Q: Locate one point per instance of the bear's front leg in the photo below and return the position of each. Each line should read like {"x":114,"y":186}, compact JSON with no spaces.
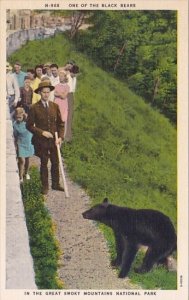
{"x":119,"y":249}
{"x":129,"y":252}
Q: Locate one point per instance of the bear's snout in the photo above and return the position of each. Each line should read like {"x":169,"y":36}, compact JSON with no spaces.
{"x":84,"y":214}
{"x":87,"y":214}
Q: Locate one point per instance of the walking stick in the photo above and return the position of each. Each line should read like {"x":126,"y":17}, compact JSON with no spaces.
{"x":61,"y":167}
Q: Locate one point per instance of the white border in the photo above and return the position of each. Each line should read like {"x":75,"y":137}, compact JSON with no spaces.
{"x":182,"y":7}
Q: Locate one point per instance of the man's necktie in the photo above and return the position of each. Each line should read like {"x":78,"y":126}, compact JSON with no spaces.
{"x":46,"y":107}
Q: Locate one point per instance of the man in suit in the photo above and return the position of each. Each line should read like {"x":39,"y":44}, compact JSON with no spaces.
{"x":44,"y":119}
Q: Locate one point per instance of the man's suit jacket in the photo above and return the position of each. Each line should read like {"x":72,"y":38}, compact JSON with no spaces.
{"x":42,"y":119}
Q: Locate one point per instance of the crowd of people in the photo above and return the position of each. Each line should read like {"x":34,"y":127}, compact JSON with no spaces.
{"x":41,"y":102}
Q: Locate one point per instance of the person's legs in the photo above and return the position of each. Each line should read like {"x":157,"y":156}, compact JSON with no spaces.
{"x":55,"y":169}
{"x":54,"y":166}
{"x":44,"y":171}
{"x":26,"y":167}
{"x":21,"y":168}
{"x":11,"y":106}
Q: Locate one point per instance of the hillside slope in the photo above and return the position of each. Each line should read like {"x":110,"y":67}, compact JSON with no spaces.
{"x":122,"y":148}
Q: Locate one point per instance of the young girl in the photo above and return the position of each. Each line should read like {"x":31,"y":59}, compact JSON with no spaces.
{"x":60,"y":93}
{"x":23,"y":143}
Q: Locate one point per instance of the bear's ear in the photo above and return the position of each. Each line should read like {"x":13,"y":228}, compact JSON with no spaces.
{"x":106,"y":201}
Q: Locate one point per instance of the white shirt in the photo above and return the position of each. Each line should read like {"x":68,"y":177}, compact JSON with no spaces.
{"x":55,"y":80}
{"x":72,"y":82}
{"x":45,"y":103}
{"x":12,"y":86}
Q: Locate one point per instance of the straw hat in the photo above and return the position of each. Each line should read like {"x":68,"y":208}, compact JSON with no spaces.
{"x":44,"y":84}
{"x":47,"y":65}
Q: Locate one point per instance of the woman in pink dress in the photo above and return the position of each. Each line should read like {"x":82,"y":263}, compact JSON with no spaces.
{"x":60,"y":93}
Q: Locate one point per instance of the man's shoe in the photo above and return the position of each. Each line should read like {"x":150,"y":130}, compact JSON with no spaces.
{"x":57,"y":188}
{"x":44,"y":191}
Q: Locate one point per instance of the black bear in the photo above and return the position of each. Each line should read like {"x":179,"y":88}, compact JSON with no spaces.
{"x":135,"y":227}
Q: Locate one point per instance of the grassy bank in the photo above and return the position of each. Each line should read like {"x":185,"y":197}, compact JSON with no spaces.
{"x":125,"y":151}
{"x":43,"y":245}
{"x":122,"y":149}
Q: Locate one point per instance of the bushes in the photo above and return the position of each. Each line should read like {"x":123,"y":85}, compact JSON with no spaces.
{"x":44,"y":247}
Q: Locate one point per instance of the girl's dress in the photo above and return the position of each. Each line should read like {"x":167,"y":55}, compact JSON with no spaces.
{"x":62,"y":103}
{"x":23,"y":139}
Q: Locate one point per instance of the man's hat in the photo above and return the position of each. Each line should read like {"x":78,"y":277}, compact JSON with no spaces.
{"x":44,"y":84}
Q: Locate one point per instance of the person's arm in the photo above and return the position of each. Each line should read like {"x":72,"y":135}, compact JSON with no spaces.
{"x":30,"y":122}
{"x":56,"y":93}
{"x":31,"y":94}
{"x":65,"y":92}
{"x":30,"y":125}
{"x":15,"y":133}
{"x":16,"y":90}
{"x":60,"y":126}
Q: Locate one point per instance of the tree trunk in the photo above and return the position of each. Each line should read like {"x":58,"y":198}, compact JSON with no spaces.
{"x":77,"y":21}
{"x":156,"y":86}
{"x":120,"y":54}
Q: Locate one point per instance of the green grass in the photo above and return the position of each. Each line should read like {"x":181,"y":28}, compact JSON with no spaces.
{"x":43,"y":244}
{"x":122,"y":149}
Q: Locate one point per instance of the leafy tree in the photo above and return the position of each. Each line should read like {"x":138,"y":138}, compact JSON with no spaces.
{"x":139,"y":47}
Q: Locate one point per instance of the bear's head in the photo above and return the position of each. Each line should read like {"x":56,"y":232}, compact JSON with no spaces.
{"x":97,"y":212}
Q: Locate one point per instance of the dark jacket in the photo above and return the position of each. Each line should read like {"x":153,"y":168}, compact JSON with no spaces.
{"x":40,"y":119}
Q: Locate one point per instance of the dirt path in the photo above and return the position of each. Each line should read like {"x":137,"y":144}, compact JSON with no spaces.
{"x":85,"y":262}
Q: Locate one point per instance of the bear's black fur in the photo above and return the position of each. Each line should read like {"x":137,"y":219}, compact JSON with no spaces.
{"x":134,"y":227}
